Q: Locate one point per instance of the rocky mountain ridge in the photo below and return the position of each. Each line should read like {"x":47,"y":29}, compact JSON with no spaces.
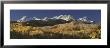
{"x":60,"y":17}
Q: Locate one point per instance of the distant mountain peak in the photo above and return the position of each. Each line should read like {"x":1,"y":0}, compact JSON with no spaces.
{"x":34,"y":18}
{"x":64,"y":17}
{"x":45,"y":18}
{"x":85,"y":19}
{"x":23,"y":19}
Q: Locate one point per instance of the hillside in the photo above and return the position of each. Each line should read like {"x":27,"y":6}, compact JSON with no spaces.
{"x":53,"y":29}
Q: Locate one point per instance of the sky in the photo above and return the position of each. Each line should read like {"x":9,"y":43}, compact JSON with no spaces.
{"x":94,"y":15}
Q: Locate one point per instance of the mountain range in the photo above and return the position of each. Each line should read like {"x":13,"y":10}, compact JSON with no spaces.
{"x":57,"y":27}
{"x":53,"y":21}
{"x":60,"y":17}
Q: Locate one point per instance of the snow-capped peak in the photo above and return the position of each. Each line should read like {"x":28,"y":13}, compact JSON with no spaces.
{"x":36,"y":18}
{"x":85,"y":19}
{"x":45,"y":18}
{"x":64,"y":17}
{"x":22,"y":19}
